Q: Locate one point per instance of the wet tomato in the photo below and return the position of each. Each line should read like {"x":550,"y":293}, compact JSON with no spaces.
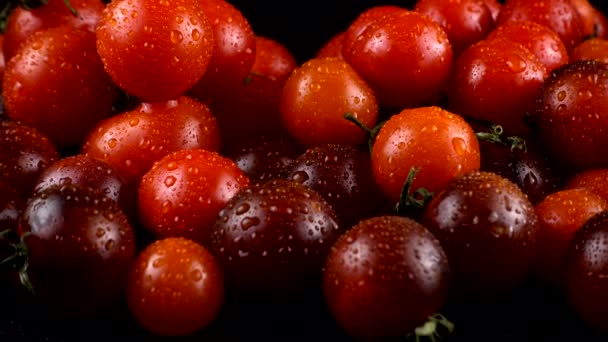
{"x":594,"y":180}
{"x":175,"y":288}
{"x":591,"y":49}
{"x":332,"y":47}
{"x":385,"y":277}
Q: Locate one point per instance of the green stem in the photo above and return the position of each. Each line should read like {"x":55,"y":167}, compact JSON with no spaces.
{"x":371,"y":132}
{"x":495,"y":136}
{"x":418,"y":199}
{"x":430,"y":330}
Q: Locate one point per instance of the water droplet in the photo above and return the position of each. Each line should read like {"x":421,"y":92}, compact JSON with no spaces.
{"x":249,"y":222}
{"x":176,"y":37}
{"x":109,"y":245}
{"x":561,"y":96}
{"x":196,"y":275}
{"x":516,"y":63}
{"x":169,"y":181}
{"x":172,"y":166}
{"x":300,"y":177}
{"x":100,"y":233}
{"x":179,"y":19}
{"x":459,"y":145}
{"x":242,"y":208}
{"x":134,"y":122}
{"x":196,"y":35}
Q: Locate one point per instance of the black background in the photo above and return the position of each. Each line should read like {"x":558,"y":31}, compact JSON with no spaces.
{"x":533,"y":313}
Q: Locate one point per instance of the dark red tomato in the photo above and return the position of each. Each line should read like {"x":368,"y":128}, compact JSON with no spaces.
{"x":385,"y":277}
{"x":488,"y":229}
{"x":465,"y":21}
{"x":594,"y":180}
{"x":176,"y":288}
{"x":80,"y":247}
{"x":587,"y":14}
{"x":84,"y":171}
{"x":585,"y":272}
{"x":496,"y":81}
{"x":253,"y":107}
{"x":318,"y":94}
{"x":560,"y":215}
{"x":405,"y":57}
{"x":183,"y":193}
{"x":131,"y":142}
{"x":362,"y":22}
{"x":571,"y":116}
{"x":264,"y":157}
{"x":57,"y":84}
{"x":24,"y":154}
{"x":332,"y":47}
{"x":273,"y":238}
{"x":540,"y":40}
{"x":494,"y":7}
{"x":155,"y":49}
{"x":591,"y":49}
{"x":22,"y":22}
{"x":343,"y":175}
{"x":441,"y":144}
{"x":558,"y":15}
{"x":233,"y":53}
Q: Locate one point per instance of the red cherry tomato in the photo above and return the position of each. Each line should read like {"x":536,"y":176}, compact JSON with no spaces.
{"x":155,"y":49}
{"x":175,"y":288}
{"x":594,"y":180}
{"x":591,"y":49}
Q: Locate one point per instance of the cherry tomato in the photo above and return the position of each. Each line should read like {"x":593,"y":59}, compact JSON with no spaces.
{"x":588,"y":16}
{"x":273,"y":237}
{"x":558,"y":15}
{"x":80,"y":247}
{"x":318,"y":94}
{"x":184,"y":191}
{"x":23,"y":23}
{"x":496,"y":81}
{"x":488,"y":229}
{"x":540,"y":40}
{"x":155,"y":49}
{"x":591,"y":49}
{"x":24,"y":154}
{"x":585,"y":272}
{"x":570,"y":116}
{"x":441,"y":144}
{"x":57,"y":84}
{"x":332,"y":47}
{"x":560,"y":215}
{"x":233,"y":52}
{"x":175,"y":288}
{"x":405,"y":57}
{"x":594,"y":180}
{"x":385,"y":277}
{"x":465,"y":21}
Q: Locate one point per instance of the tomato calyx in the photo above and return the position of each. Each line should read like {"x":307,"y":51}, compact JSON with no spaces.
{"x":495,"y":136}
{"x":434,"y":329}
{"x":249,"y":77}
{"x":18,"y":259}
{"x":412,"y":200}
{"x":371,"y":132}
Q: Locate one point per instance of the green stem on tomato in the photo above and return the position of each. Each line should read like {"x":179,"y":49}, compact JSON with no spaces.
{"x":408,"y":200}
{"x":430,"y":329}
{"x":371,"y":132}
{"x":495,"y":136}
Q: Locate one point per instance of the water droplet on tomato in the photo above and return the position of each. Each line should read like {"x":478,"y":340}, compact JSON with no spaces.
{"x":516,"y":63}
{"x":100,"y":233}
{"x":249,"y":222}
{"x":300,"y":177}
{"x":176,"y":37}
{"x":196,"y":35}
{"x":459,"y":145}
{"x":134,"y":122}
{"x":196,"y":275}
{"x":172,"y":166}
{"x":561,"y":96}
{"x":169,"y":181}
{"x":179,"y":19}
{"x":241,"y":209}
{"x":109,"y":245}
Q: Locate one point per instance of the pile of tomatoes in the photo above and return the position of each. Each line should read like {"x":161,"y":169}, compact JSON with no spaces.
{"x":162,"y":160}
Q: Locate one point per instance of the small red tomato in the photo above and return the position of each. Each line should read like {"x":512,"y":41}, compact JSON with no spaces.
{"x":591,"y":49}
{"x":385,"y":277}
{"x":362,"y":22}
{"x":57,"y":84}
{"x":175,"y":288}
{"x":155,"y":49}
{"x":560,"y":215}
{"x":558,"y":15}
{"x":183,"y":193}
{"x":594,"y":180}
{"x":496,"y":81}
{"x":23,"y":23}
{"x":405,"y":57}
{"x":465,"y":21}
{"x":318,"y":94}
{"x":441,"y":144}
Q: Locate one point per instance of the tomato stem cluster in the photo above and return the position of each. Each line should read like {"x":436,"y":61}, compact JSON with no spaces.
{"x":19,"y":259}
{"x":495,"y":136}
{"x":415,"y":200}
{"x":371,"y":132}
{"x":430,"y":329}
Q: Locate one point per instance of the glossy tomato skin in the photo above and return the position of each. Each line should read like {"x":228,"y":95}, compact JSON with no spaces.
{"x":570,"y":115}
{"x":488,"y":229}
{"x":588,"y":15}
{"x":57,"y":84}
{"x":465,"y":21}
{"x":183,"y":192}
{"x":24,"y":154}
{"x":594,"y":180}
{"x":22,"y":23}
{"x":540,"y":40}
{"x":385,"y":276}
{"x":405,"y":58}
{"x":496,"y":81}
{"x":233,"y":52}
{"x":272,"y":239}
{"x":315,"y":98}
{"x":586,"y":267}
{"x":332,"y":47}
{"x":342,"y":174}
{"x":2,"y":58}
{"x":176,"y":288}
{"x":591,"y":49}
{"x":560,"y":216}
{"x":439,"y":143}
{"x":558,"y":15}
{"x":81,"y":247}
{"x":495,"y":6}
{"x":155,"y":49}
{"x":132,"y":141}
